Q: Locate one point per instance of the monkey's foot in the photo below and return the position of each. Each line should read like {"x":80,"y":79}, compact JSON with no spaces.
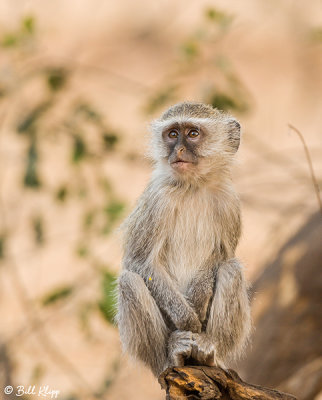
{"x":179,"y":347}
{"x":203,"y":350}
{"x":213,"y":383}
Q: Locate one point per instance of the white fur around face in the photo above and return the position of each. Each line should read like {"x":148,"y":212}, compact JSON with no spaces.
{"x":215,"y":156}
{"x":158,"y":149}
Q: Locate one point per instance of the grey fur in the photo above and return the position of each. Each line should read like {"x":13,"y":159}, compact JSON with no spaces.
{"x":182,"y":294}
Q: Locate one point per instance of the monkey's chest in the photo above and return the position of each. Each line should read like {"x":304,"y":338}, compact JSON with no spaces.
{"x":190,"y":244}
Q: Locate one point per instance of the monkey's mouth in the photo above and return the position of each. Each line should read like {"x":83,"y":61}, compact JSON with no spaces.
{"x":181,"y":165}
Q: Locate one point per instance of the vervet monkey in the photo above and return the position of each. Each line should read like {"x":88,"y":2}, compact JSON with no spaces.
{"x":182,"y":297}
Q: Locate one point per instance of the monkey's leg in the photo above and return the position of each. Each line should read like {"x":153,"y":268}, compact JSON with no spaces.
{"x":143,"y":331}
{"x":229,"y":322}
{"x":199,"y":293}
{"x":228,"y":314}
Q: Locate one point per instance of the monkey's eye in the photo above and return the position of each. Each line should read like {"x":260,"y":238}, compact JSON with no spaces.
{"x":173,"y":134}
{"x":193,"y":134}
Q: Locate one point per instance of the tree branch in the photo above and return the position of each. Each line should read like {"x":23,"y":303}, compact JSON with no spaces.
{"x":213,"y":383}
{"x":309,"y":161}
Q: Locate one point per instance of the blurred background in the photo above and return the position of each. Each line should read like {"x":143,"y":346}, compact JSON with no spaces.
{"x":79,"y":81}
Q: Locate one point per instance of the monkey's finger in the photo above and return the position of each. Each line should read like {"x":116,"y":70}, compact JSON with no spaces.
{"x":195,"y":351}
{"x":203,"y":356}
{"x":181,"y":359}
{"x":185,"y":344}
{"x":178,"y":360}
{"x":209,"y":359}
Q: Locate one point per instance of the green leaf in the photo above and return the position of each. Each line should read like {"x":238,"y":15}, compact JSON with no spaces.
{"x":38,"y":229}
{"x":89,"y":112}
{"x":219,"y":17}
{"x":62,"y":193}
{"x":223,"y":102}
{"x":114,"y":210}
{"x":57,"y":294}
{"x":109,"y":379}
{"x":316,"y":34}
{"x":31,"y":178}
{"x":14,"y":39}
{"x":82,"y":192}
{"x":226,"y":102}
{"x":106,"y":186}
{"x":191,"y":49}
{"x":107,"y":303}
{"x":2,"y":246}
{"x":85,"y":311}
{"x":28,"y":24}
{"x":88,"y":219}
{"x":10,"y":40}
{"x":160,"y":99}
{"x":56,"y":78}
{"x":82,"y":251}
{"x":3,"y":90}
{"x":28,"y":122}
{"x":79,"y":149}
{"x":107,"y":228}
{"x":72,"y":396}
{"x":37,"y":373}
{"x":110,"y":140}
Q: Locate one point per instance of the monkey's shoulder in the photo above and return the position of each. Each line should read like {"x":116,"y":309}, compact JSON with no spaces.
{"x":145,"y":212}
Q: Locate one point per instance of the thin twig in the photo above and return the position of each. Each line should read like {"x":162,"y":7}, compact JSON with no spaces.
{"x":308,"y":157}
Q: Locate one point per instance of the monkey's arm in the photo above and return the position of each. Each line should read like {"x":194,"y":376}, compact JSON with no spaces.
{"x":169,"y":299}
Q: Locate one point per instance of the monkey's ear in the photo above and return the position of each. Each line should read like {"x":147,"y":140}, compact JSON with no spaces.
{"x":234,"y":134}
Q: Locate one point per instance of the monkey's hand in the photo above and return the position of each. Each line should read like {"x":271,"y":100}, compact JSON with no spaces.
{"x":203,"y":350}
{"x":179,"y":348}
{"x":190,"y":323}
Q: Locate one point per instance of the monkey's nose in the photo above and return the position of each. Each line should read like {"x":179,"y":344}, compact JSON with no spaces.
{"x":180,"y":150}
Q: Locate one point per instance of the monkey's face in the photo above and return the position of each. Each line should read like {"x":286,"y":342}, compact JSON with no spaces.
{"x":182,"y":141}
{"x":193,"y":142}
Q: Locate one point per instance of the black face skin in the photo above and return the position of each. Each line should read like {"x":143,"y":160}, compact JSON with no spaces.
{"x":182,"y":141}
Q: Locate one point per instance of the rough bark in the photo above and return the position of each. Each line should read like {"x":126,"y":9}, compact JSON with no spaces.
{"x":198,"y":382}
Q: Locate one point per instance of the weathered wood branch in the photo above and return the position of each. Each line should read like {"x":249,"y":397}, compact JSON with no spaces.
{"x":207,"y":383}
